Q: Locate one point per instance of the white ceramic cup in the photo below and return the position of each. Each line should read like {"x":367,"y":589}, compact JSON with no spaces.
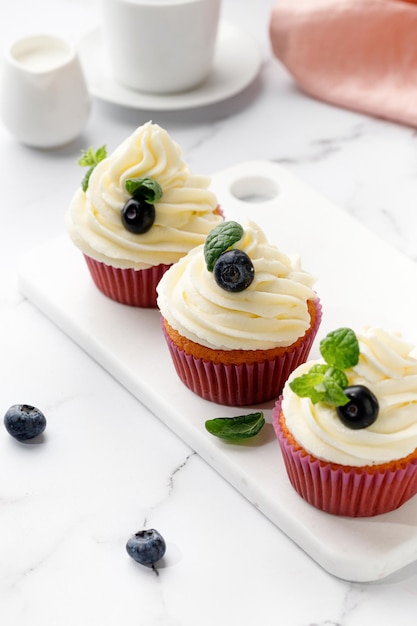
{"x":160,"y":46}
{"x":44,"y":99}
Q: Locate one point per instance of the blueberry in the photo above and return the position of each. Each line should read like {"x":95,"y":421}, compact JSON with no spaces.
{"x":138,"y":216}
{"x":362,"y":409}
{"x":24,"y":422}
{"x":233,"y":270}
{"x":146,"y":546}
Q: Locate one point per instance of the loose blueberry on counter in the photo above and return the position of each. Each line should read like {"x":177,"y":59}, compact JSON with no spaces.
{"x":233,"y":270}
{"x":23,"y":421}
{"x":362,"y":409}
{"x":138,"y":216}
{"x":146,"y":546}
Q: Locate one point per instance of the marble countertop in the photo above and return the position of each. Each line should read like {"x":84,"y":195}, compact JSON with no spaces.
{"x":106,"y":466}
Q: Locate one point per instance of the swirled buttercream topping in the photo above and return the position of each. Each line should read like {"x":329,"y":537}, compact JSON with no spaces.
{"x":183,"y":216}
{"x":388,"y":368}
{"x":271,"y":312}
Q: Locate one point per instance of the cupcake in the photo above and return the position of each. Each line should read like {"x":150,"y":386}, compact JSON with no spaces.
{"x":137,"y":212}
{"x":347,"y":424}
{"x":238,"y":316}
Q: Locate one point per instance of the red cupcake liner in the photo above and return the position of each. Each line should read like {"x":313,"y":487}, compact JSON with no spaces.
{"x":127,"y":286}
{"x":243,"y":384}
{"x":348,"y":491}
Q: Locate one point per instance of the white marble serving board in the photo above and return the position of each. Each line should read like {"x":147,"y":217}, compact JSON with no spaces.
{"x":361,"y":281}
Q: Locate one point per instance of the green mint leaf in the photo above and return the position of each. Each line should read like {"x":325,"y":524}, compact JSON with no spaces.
{"x":219,"y":240}
{"x":90,"y":159}
{"x":326,"y":382}
{"x":334,"y":394}
{"x":322,"y":383}
{"x":86,"y":178}
{"x":101,"y":154}
{"x":145,"y":188}
{"x":310,"y":385}
{"x":87,"y":158}
{"x":340,"y":348}
{"x":334,"y":382}
{"x":337,"y":376}
{"x":240,"y":427}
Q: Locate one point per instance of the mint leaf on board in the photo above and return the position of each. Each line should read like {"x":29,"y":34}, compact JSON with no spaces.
{"x":340,"y":348}
{"x":240,"y":427}
{"x":90,"y":159}
{"x":145,"y":188}
{"x":219,"y":240}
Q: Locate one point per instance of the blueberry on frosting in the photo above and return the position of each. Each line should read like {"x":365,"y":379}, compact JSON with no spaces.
{"x":232,"y":268}
{"x":138,"y":213}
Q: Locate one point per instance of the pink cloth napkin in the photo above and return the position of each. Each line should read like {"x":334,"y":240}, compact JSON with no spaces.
{"x":359,"y":54}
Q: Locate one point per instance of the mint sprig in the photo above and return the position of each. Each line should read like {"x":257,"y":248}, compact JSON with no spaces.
{"x":322,"y":383}
{"x":326,"y":382}
{"x":145,"y":188}
{"x":240,"y":427}
{"x":340,"y":348}
{"x":219,"y":240}
{"x":90,"y":159}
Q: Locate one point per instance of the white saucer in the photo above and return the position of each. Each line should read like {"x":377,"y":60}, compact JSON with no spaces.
{"x":237,"y":62}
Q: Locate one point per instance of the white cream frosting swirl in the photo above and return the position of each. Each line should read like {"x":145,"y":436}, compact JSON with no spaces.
{"x":271,"y":312}
{"x":184,"y":214}
{"x":389,"y":369}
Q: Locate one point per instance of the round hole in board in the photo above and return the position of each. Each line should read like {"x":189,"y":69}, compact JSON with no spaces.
{"x":254,"y":189}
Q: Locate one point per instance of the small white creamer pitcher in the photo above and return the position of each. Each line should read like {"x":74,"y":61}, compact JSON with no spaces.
{"x":44,"y":99}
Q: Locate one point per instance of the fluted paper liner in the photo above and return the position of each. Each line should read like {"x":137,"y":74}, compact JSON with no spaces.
{"x":341,"y":490}
{"x":243,"y":384}
{"x":127,"y":286}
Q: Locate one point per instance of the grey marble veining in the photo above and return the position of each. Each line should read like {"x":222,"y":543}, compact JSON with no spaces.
{"x":106,"y":466}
